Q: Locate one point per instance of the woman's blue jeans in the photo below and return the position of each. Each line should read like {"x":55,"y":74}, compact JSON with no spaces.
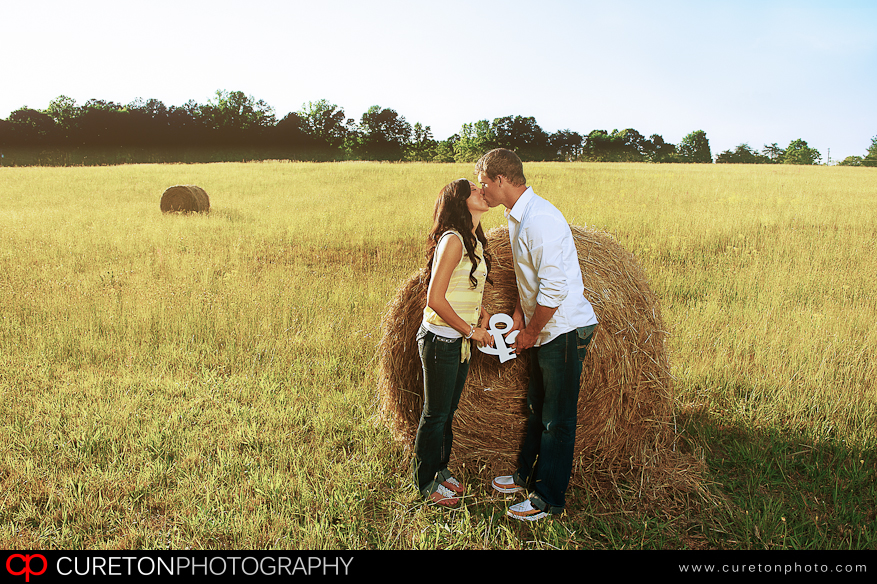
{"x":443,"y":380}
{"x":545,"y":460}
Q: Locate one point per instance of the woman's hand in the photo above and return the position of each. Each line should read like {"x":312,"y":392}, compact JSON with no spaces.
{"x":482,"y":337}
{"x":485,"y":318}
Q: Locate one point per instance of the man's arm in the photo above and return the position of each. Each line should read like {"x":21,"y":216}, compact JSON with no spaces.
{"x":527,"y":337}
{"x":546,"y":255}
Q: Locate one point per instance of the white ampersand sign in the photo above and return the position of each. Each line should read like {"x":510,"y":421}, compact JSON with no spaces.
{"x":501,"y":344}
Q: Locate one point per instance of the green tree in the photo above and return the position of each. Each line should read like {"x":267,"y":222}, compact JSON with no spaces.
{"x":153,"y":108}
{"x":620,"y":146}
{"x":30,"y":127}
{"x":7,"y":135}
{"x":695,"y":148}
{"x":774,"y":153}
{"x":656,"y":150}
{"x":870,"y":158}
{"x":325,"y":122}
{"x":236,"y":118}
{"x":444,"y":151}
{"x":237,"y":111}
{"x":104,"y":124}
{"x":522,"y":135}
{"x":742,"y":154}
{"x":851,"y":161}
{"x":598,"y":146}
{"x":799,"y":152}
{"x":148,"y":121}
{"x":422,"y":147}
{"x":65,"y":112}
{"x":183,"y":126}
{"x":566,"y":145}
{"x":634,"y":145}
{"x":289,"y":133}
{"x":474,"y":140}
{"x":382,"y":134}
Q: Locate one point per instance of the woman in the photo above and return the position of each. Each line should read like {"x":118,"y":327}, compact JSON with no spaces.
{"x":457,"y":269}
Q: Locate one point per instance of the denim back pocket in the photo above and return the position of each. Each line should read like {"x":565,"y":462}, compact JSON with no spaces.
{"x":583,"y":339}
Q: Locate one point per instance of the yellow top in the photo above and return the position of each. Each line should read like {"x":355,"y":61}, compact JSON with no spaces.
{"x":463,"y":298}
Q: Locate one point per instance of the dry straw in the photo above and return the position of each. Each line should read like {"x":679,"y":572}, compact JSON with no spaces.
{"x":185,"y":199}
{"x":625,"y":409}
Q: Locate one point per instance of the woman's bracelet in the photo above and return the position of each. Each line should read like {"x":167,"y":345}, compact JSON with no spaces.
{"x":471,"y":331}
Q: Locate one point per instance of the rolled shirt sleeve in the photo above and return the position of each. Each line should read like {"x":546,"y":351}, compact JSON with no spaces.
{"x":547,"y":267}
{"x":546,"y":252}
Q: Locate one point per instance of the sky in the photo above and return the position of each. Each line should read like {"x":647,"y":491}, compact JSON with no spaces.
{"x":755,"y":72}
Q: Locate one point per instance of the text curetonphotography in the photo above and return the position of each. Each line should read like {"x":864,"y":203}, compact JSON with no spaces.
{"x":204,"y":566}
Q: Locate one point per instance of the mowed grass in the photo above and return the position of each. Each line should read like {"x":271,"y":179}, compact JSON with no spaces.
{"x":209,"y":381}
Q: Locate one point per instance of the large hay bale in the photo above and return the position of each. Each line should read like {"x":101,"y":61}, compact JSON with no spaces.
{"x":625,"y":402}
{"x":185,"y":199}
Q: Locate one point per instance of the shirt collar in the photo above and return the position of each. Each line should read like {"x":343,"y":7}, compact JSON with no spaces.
{"x":517,"y":211}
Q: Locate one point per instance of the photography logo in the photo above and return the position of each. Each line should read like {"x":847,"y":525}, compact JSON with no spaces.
{"x":26,"y":564}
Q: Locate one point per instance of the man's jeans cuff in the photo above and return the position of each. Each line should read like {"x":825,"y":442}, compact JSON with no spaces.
{"x":541,"y":504}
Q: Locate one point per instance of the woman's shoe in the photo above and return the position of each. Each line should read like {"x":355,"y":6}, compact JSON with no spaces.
{"x":454,"y":486}
{"x":443,"y":496}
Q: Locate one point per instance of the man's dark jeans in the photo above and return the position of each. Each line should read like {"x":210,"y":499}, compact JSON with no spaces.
{"x":545,"y":460}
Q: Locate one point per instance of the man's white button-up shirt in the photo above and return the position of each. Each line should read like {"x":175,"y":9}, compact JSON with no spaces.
{"x":547,"y":266}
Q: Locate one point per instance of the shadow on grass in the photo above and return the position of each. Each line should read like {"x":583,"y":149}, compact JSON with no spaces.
{"x":785,"y":491}
{"x":765,"y":489}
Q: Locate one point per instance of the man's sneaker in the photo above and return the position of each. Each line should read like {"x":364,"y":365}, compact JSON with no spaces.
{"x":525,"y":511}
{"x":507,"y":484}
{"x":453,"y":485}
{"x":443,"y":496}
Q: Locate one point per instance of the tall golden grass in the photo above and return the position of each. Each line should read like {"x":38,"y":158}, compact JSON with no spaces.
{"x":209,"y":380}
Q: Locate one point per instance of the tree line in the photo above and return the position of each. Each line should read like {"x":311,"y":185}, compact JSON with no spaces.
{"x":322,"y":131}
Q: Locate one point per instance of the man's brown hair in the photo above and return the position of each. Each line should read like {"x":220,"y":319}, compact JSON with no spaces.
{"x":501,"y":161}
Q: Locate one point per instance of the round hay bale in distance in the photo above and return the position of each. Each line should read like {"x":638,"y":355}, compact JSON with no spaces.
{"x":625,"y":398}
{"x":185,"y":199}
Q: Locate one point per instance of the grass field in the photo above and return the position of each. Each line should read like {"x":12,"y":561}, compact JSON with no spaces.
{"x":209,"y":381}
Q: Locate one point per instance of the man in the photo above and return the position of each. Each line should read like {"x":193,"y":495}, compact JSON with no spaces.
{"x":555,"y":322}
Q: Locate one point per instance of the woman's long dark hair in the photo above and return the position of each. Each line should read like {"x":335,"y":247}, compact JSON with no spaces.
{"x":451,"y":212}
